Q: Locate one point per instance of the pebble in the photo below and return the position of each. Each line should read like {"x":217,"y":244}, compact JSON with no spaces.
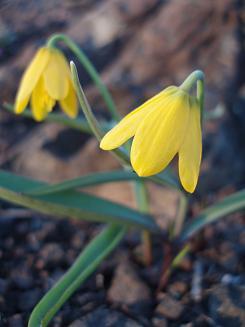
{"x":16,"y":321}
{"x":3,"y":285}
{"x":28,"y":299}
{"x":169,"y":307}
{"x":226,"y":305}
{"x":159,"y":322}
{"x":127,"y":287}
{"x":178,"y":288}
{"x":105,"y":317}
{"x":52,"y":253}
{"x":22,"y":279}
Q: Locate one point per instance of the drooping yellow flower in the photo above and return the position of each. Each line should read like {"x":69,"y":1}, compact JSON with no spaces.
{"x":167,"y":124}
{"x":47,"y":80}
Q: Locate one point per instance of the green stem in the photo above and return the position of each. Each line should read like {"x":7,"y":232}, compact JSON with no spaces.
{"x":89,"y":68}
{"x":142,"y":196}
{"x":143,"y":205}
{"x":191,"y":80}
{"x":90,"y":258}
{"x":174,"y":263}
{"x":180,"y":256}
{"x":200,"y":96}
{"x":92,"y":121}
{"x":180,"y":218}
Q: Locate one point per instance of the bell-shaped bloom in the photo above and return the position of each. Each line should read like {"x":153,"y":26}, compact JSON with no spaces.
{"x":167,"y":124}
{"x":47,"y":80}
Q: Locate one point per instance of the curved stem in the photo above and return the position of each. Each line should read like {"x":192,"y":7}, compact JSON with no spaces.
{"x":191,"y":80}
{"x":89,"y":68}
{"x":197,"y":77}
{"x":92,"y":121}
{"x":200,"y":95}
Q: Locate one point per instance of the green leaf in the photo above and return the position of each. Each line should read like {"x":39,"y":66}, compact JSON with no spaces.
{"x":228,"y":205}
{"x":95,"y":179}
{"x":94,"y":253}
{"x":84,"y":181}
{"x":71,"y":204}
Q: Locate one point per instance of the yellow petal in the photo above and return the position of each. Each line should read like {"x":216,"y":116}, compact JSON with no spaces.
{"x":41,"y":103}
{"x":49,"y":102}
{"x":20,"y":105}
{"x":191,"y":151}
{"x":57,"y":75}
{"x":30,"y":79}
{"x":127,"y":127}
{"x":70,"y":105}
{"x":160,"y":135}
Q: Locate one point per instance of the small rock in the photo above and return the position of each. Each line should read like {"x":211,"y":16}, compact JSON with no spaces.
{"x":16,"y":321}
{"x":127,"y":288}
{"x":202,"y":320}
{"x":84,"y":298}
{"x":78,"y":240}
{"x":3,"y":285}
{"x":22,"y":279}
{"x":57,"y":321}
{"x":169,"y":307}
{"x":33,"y":243}
{"x":105,"y":317}
{"x":9,"y":242}
{"x":53,"y":277}
{"x":177,"y":289}
{"x":28,"y":299}
{"x":186,"y":264}
{"x":226,"y":305}
{"x":39,"y":264}
{"x":159,"y":322}
{"x":52,"y":253}
{"x":229,"y":279}
{"x":228,"y":257}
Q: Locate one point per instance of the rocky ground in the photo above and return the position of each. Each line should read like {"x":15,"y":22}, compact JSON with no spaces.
{"x":206,"y":290}
{"x":139,"y":47}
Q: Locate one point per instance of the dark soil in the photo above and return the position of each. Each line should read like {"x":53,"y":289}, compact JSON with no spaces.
{"x":206,"y":290}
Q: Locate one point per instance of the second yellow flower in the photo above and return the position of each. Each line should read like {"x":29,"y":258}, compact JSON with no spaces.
{"x":47,"y":80}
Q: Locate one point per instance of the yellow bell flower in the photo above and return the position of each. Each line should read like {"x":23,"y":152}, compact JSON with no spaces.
{"x":167,"y":124}
{"x":47,"y":80}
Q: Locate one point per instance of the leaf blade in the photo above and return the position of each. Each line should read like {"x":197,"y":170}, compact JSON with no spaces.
{"x":85,"y":181}
{"x":73,"y":204}
{"x":99,"y":178}
{"x":225,"y":207}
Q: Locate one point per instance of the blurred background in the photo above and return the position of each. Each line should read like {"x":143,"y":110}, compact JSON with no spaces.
{"x":139,"y":47}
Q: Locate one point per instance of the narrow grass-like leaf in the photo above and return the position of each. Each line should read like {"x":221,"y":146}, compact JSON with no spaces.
{"x":71,"y":204}
{"x":94,"y":253}
{"x":98,"y":178}
{"x":85,"y":181}
{"x":228,"y":205}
